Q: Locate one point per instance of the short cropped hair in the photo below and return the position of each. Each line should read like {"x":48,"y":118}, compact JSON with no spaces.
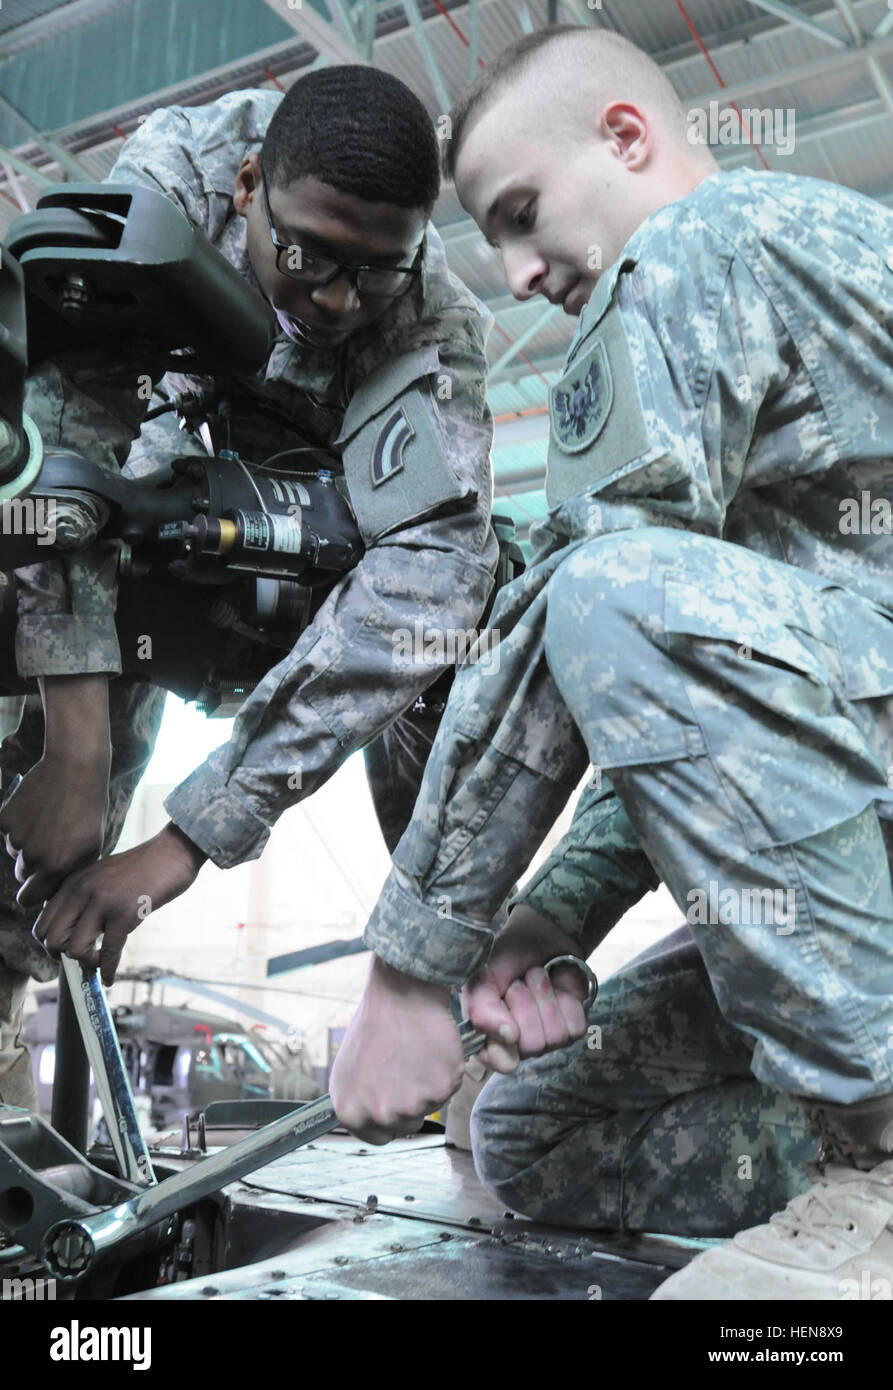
{"x":360,"y":130}
{"x":614,"y":55}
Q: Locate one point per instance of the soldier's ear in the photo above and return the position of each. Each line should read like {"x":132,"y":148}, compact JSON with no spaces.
{"x":248,"y":181}
{"x":626,"y":128}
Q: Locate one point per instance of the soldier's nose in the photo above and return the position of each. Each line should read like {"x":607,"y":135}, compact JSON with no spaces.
{"x":525,"y":272}
{"x":338,"y":297}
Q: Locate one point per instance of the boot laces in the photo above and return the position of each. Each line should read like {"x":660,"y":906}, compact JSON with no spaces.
{"x":814,"y":1215}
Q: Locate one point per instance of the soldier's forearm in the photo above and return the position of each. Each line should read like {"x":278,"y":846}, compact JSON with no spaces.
{"x":76,"y":715}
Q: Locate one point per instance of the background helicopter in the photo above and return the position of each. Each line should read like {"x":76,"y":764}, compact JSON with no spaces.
{"x":180,"y":1059}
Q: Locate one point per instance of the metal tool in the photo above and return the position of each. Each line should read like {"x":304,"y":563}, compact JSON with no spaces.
{"x":71,"y":1247}
{"x":109,"y":1073}
{"x":472,"y":1041}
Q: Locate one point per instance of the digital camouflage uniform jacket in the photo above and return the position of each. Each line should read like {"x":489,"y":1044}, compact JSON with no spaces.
{"x":732,"y":375}
{"x":430,"y":550}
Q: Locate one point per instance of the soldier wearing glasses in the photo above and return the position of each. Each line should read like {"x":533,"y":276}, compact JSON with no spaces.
{"x":321,"y":199}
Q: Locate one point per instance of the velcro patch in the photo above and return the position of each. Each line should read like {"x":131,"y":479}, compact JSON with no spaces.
{"x":391,"y":435}
{"x":598,"y":427}
{"x":580,"y":404}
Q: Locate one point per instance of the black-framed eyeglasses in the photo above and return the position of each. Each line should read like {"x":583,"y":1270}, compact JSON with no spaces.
{"x":369,"y":281}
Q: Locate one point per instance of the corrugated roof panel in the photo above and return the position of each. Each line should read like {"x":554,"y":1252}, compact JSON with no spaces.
{"x":858,"y":160}
{"x":661,"y":29}
{"x":100,"y":65}
{"x":12,"y":16}
{"x":517,"y":397}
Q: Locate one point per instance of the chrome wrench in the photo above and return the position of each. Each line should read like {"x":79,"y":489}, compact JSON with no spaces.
{"x":71,"y":1247}
{"x":109,"y":1073}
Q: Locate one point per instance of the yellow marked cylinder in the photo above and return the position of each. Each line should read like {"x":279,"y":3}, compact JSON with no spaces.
{"x":228,"y":536}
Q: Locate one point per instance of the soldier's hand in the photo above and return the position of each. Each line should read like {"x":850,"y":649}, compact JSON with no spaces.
{"x":401,"y":1057}
{"x":53,"y":823}
{"x":110,"y":899}
{"x":514,"y":1001}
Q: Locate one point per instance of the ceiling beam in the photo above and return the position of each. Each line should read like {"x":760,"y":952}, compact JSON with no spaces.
{"x":413,"y":14}
{"x":539,"y":323}
{"x":882,"y":82}
{"x":789,"y":77}
{"x":368,"y":27}
{"x":885,"y":25}
{"x":474,"y":34}
{"x":801,"y":20}
{"x":338,"y":9}
{"x":66,"y":161}
{"x":12,"y":180}
{"x":309,"y":23}
{"x":842,"y":118}
{"x":47,"y":28}
{"x":845,"y":9}
{"x":525,"y":19}
{"x":23,"y":167}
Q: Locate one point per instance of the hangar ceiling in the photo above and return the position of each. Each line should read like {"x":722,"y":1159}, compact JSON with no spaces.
{"x":75,"y":78}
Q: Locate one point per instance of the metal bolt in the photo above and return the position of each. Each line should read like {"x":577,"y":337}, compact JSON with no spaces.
{"x":342,"y":1260}
{"x":396,"y":1248}
{"x":75,"y":294}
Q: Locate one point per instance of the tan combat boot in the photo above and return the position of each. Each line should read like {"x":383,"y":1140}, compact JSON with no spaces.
{"x":833,"y":1242}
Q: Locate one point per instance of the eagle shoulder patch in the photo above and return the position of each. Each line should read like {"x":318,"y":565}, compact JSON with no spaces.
{"x":598,"y":426}
{"x":579,"y":405}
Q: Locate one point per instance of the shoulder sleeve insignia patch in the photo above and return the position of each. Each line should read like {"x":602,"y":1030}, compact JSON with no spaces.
{"x":387,"y":455}
{"x":581,"y":401}
{"x":598,"y":425}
